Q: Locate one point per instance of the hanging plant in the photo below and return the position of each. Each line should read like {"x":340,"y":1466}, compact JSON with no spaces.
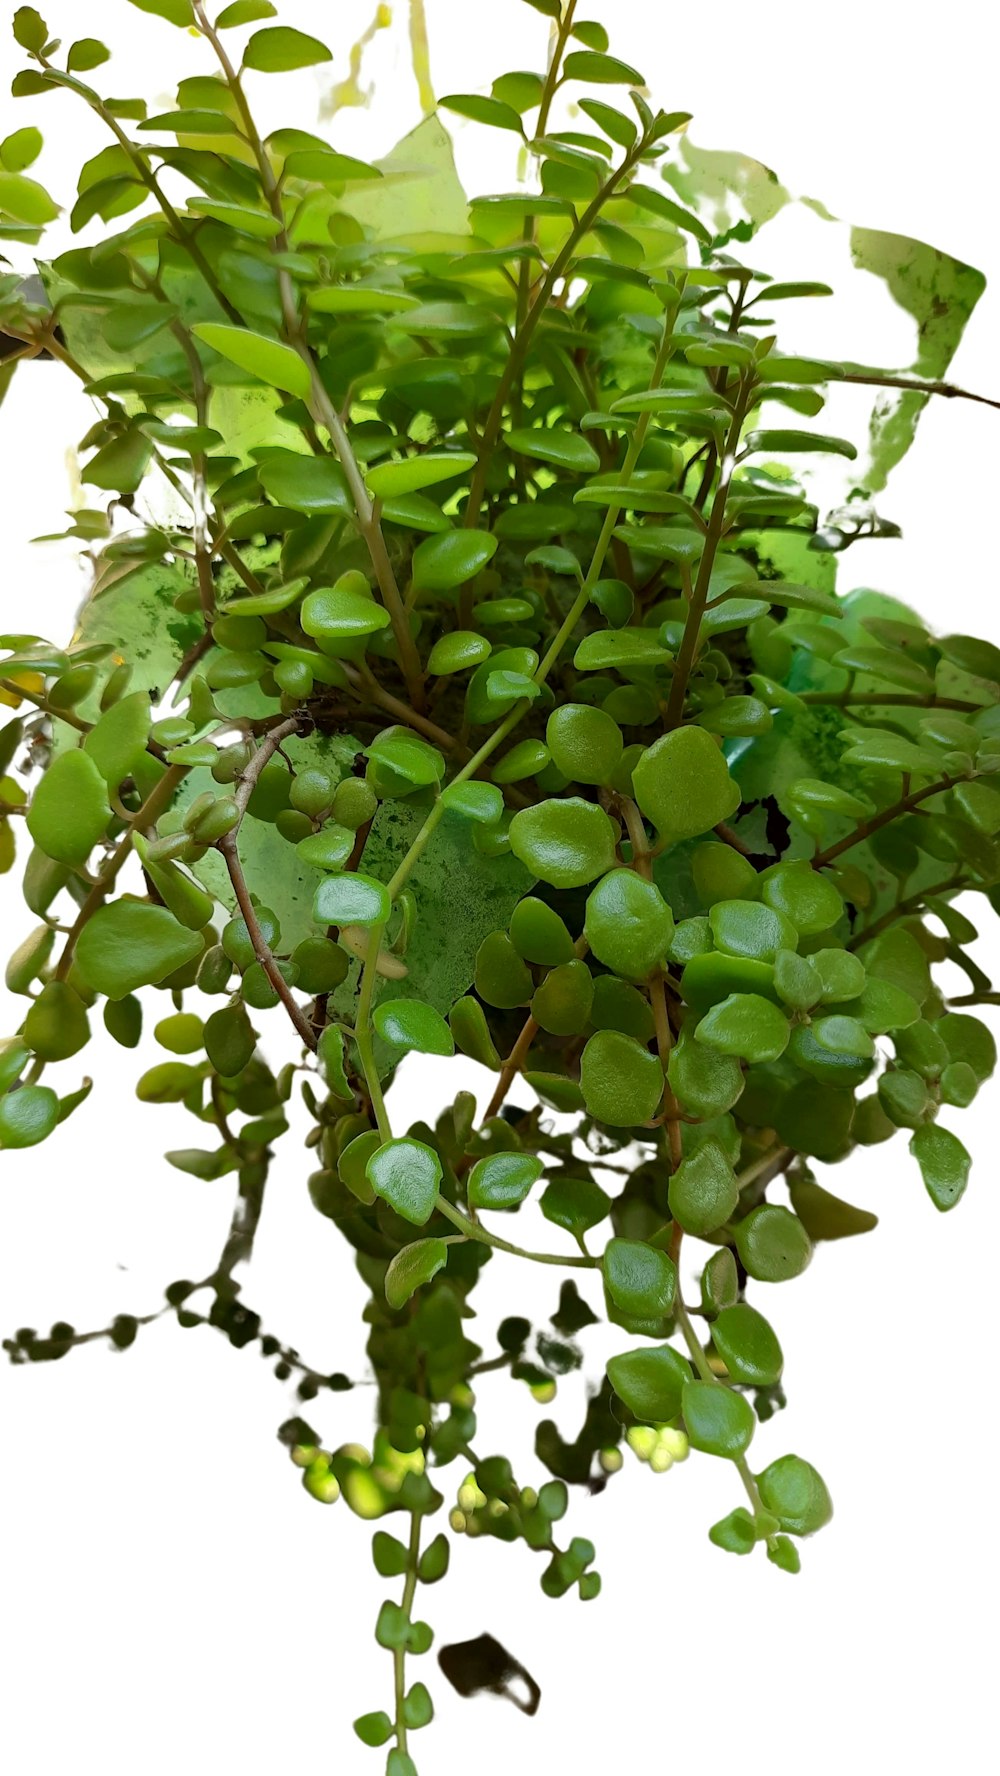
{"x":463,"y":671}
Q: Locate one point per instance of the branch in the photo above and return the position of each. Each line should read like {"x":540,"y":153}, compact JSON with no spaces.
{"x":866,"y":828}
{"x":229,"y":849}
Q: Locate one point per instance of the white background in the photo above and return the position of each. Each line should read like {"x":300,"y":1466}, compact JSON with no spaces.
{"x":171,"y":1597}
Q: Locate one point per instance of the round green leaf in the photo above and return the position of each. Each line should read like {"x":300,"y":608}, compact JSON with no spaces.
{"x":682,"y":784}
{"x":128,"y":944}
{"x":747,"y":1345}
{"x":772,"y":1243}
{"x":69,"y":810}
{"x":503,"y":1180}
{"x":585,"y":743}
{"x":329,"y":849}
{"x":720,"y":873}
{"x":412,"y":1024}
{"x":703,"y":1192}
{"x":567,"y":842}
{"x":576,"y":1204}
{"x":795,"y":1493}
{"x":443,"y":562}
{"x":629,"y":924}
{"x":539,"y":935}
{"x":351,"y":900}
{"x":639,"y":1278}
{"x":622,"y":1082}
{"x":650,"y":1382}
{"x":406,"y":1174}
{"x":457,"y":652}
{"x":745,"y":1025}
{"x":704,"y":1082}
{"x":338,"y":614}
{"x":412,"y":1267}
{"x":27,"y":1115}
{"x":747,"y":928}
{"x":561,"y":1003}
{"x":716,"y":1419}
{"x":804,"y":896}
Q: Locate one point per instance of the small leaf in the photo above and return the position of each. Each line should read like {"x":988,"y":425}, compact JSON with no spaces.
{"x":603,"y":70}
{"x":481,"y":110}
{"x":503,"y":1180}
{"x":650,"y":1381}
{"x":406,"y":1174}
{"x":128,"y":944}
{"x":563,"y":449}
{"x":716,"y":1419}
{"x":27,"y":1116}
{"x":747,"y":1345}
{"x":411,"y":1025}
{"x":265,"y":359}
{"x":639,"y":1278}
{"x":279,"y":48}
{"x":69,"y":810}
{"x":412,"y":1267}
{"x":445,"y":561}
{"x":944,"y":1164}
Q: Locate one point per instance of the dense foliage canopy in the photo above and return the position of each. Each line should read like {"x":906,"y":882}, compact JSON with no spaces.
{"x":464,"y":670}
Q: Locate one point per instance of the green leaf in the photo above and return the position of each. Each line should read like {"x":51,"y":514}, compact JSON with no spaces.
{"x":244,"y":12}
{"x":716,"y":1419}
{"x":27,"y":1116}
{"x":267,"y":360}
{"x":502,"y":1180}
{"x":575,"y":1204}
{"x":375,"y":1728}
{"x":825,"y":1216}
{"x":747,"y":928}
{"x":19,"y":150}
{"x":562,"y":449}
{"x":747,"y":1345}
{"x":650,"y":1381}
{"x":279,"y":48}
{"x":664,"y":207}
{"x":736,"y":1533}
{"x":30,"y":29}
{"x":176,"y":12}
{"x":944,"y":1164}
{"x":745,"y":1025}
{"x":25,"y":199}
{"x":445,"y":561}
{"x":117,"y":742}
{"x":565,"y":842}
{"x":683,"y":786}
{"x":794,"y":1492}
{"x":128,"y":944}
{"x":390,"y":479}
{"x":412,"y":1267}
{"x":602,"y":70}
{"x":490,"y":111}
{"x":354,"y":899}
{"x":406,"y":1174}
{"x":703,"y":1192}
{"x":639,"y":1278}
{"x":704,"y":1082}
{"x":620,"y":648}
{"x":622,"y":1082}
{"x":772,"y":1244}
{"x":628,"y":924}
{"x":339,"y":614}
{"x":784,"y":441}
{"x":614,"y":123}
{"x":69,"y":810}
{"x":411,"y":1025}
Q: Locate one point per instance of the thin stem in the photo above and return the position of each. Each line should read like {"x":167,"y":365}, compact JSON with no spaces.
{"x":699,"y":596}
{"x":41,"y":702}
{"x":474,"y":1231}
{"x":156,"y":802}
{"x":229,"y":849}
{"x":399,"y":1653}
{"x":866,"y":828}
{"x":511,"y":1067}
{"x":319,"y":403}
{"x":519,"y":350}
{"x":911,"y":904}
{"x":706,"y":1373}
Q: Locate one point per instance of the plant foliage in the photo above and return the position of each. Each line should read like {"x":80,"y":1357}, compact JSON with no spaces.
{"x":481,"y":685}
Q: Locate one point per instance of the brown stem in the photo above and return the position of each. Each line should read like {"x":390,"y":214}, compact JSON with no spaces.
{"x":229,"y":849}
{"x":866,"y":828}
{"x":512,"y":1065}
{"x":911,"y":904}
{"x":154,"y":805}
{"x":699,"y":596}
